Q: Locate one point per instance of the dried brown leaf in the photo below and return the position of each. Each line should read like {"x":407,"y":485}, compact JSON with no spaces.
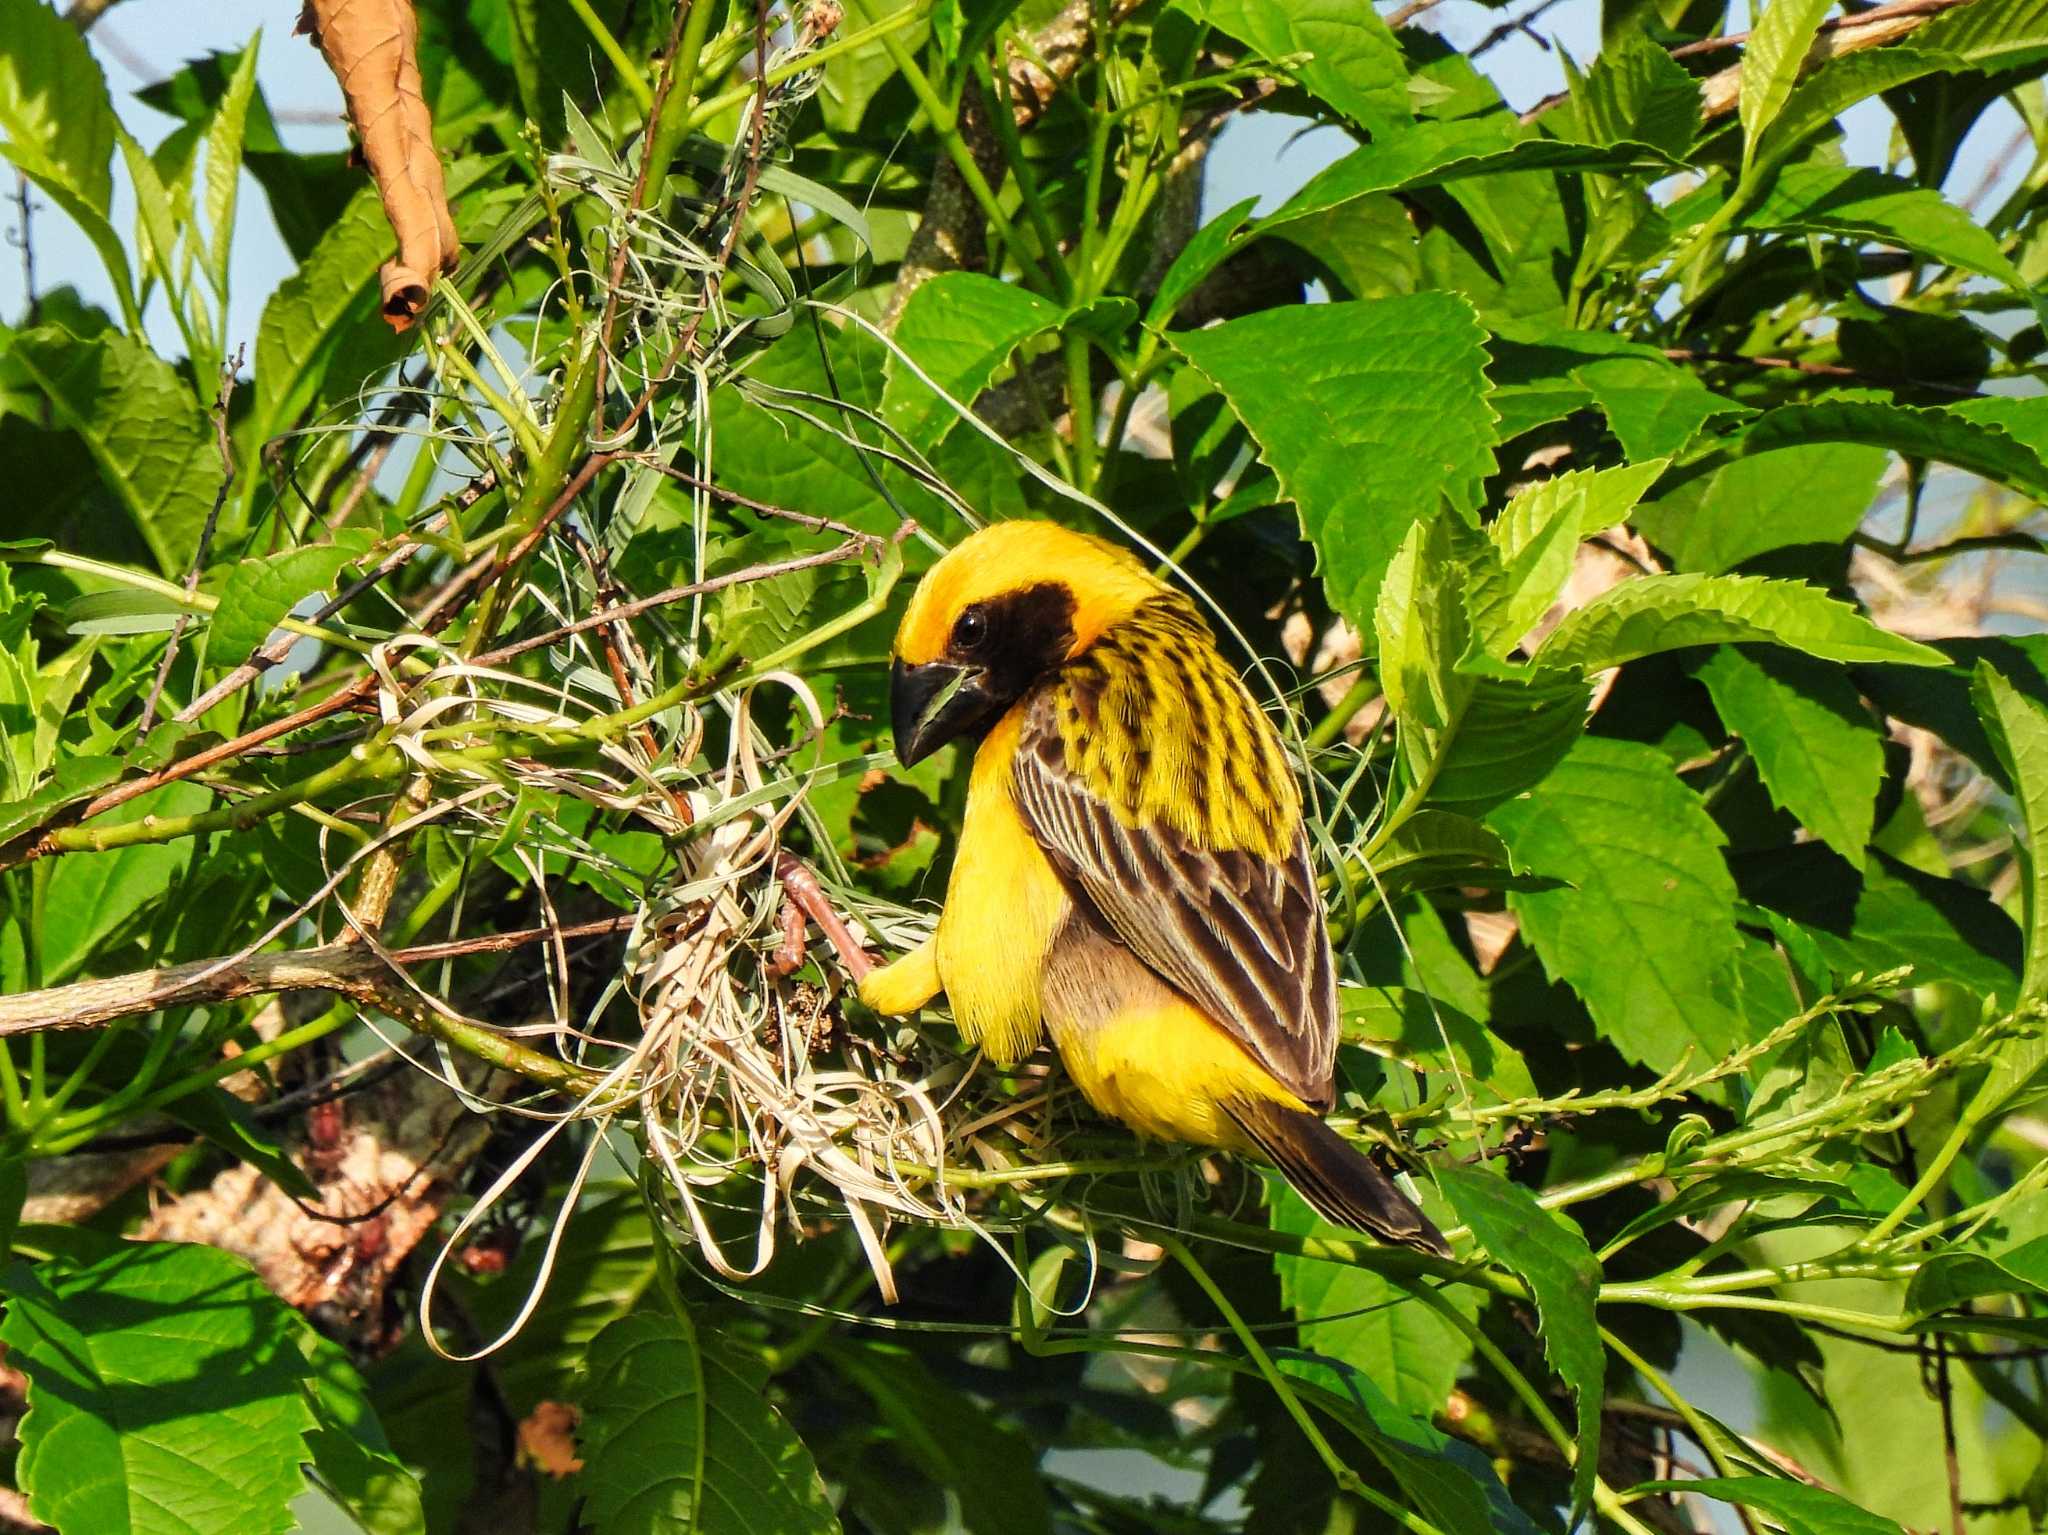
{"x":547,"y":1439}
{"x":373,"y":48}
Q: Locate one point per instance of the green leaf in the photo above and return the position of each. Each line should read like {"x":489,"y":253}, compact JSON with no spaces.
{"x":1842,"y":82}
{"x":958,"y":1444}
{"x":1653,"y":406}
{"x":1647,"y":938}
{"x":165,"y":1393}
{"x":1431,"y":154}
{"x":1637,"y":93}
{"x":1551,"y":1256}
{"x":303,"y":314}
{"x":224,"y":165}
{"x":1771,"y":62}
{"x":678,"y":1436}
{"x":779,"y":440}
{"x":123,"y":610}
{"x":1371,"y":414}
{"x":760,"y":617}
{"x":1652,"y":614}
{"x":354,"y":1459}
{"x":1538,"y":535}
{"x":1513,"y":731}
{"x":1340,"y":53}
{"x":1865,"y":204}
{"x":1373,"y":1326}
{"x":57,"y":126}
{"x":71,"y":780}
{"x":54,"y":108}
{"x":226,"y":1121}
{"x":959,"y":329}
{"x":1926,"y":432}
{"x":1946,"y":930}
{"x":93,"y":895}
{"x":2018,"y":729}
{"x":1816,"y":493}
{"x":1990,"y":34}
{"x":1819,"y":753}
{"x":1419,"y":621}
{"x":1801,"y":1508}
{"x":1449,"y":1482}
{"x":260,"y":592}
{"x":1433,"y":848}
{"x":1956,"y":1276}
{"x":153,"y":444}
{"x":1208,"y":248}
{"x":330,"y":301}
{"x":1422,"y":1030}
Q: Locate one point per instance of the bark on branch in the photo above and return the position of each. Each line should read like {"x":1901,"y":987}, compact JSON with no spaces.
{"x":352,"y":970}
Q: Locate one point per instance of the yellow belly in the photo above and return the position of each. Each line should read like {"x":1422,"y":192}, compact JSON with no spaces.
{"x":1142,"y":1053}
{"x":1166,"y":1071}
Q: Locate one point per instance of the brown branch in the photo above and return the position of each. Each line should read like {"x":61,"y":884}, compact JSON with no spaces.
{"x":949,"y":237}
{"x":84,"y":13}
{"x":1720,"y":91}
{"x":352,"y":970}
{"x":1814,"y":369}
{"x":1834,"y":23}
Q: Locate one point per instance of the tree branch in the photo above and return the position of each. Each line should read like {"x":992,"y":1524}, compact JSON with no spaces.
{"x":352,"y":970}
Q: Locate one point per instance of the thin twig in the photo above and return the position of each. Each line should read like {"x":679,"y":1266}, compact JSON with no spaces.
{"x":1814,"y":369}
{"x":1507,"y":29}
{"x":24,"y":237}
{"x":635,"y":608}
{"x":1944,"y":1390}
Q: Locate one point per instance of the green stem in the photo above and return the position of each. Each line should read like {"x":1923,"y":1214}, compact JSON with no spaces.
{"x":1604,"y":1497}
{"x":1695,"y":1424}
{"x":1345,"y":1477}
{"x":789,"y":69}
{"x":628,"y":72}
{"x":1003,"y":118}
{"x":946,"y":123}
{"x":1925,"y":1185}
{"x":668,"y":134}
{"x":73,"y":1131}
{"x":1080,"y":406}
{"x":1363,"y":690}
{"x":363,"y":761}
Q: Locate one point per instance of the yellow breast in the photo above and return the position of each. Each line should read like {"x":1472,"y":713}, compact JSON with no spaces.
{"x":1003,"y":908}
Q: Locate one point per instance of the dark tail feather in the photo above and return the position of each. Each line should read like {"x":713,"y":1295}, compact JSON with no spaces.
{"x":1334,"y":1176}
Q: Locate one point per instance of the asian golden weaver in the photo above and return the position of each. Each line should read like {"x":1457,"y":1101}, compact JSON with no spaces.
{"x":1132,"y":871}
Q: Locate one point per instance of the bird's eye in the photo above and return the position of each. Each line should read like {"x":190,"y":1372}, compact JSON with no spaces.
{"x":970,"y":629}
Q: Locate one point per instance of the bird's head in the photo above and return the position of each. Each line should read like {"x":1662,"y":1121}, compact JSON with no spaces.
{"x":1003,"y":608}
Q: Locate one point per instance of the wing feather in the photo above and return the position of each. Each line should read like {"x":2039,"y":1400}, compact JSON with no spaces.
{"x":1236,"y":931}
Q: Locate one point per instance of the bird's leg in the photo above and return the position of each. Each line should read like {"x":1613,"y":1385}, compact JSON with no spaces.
{"x":904,"y":985}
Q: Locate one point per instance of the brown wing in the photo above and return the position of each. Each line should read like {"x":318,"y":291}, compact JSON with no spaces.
{"x":1239,"y":934}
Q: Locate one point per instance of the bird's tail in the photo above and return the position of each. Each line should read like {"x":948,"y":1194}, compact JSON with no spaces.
{"x":1334,"y":1176}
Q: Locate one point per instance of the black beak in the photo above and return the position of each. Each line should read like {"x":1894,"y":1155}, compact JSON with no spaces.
{"x":932,"y":704}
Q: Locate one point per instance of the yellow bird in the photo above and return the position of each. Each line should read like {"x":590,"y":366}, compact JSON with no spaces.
{"x":1132,"y":872}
